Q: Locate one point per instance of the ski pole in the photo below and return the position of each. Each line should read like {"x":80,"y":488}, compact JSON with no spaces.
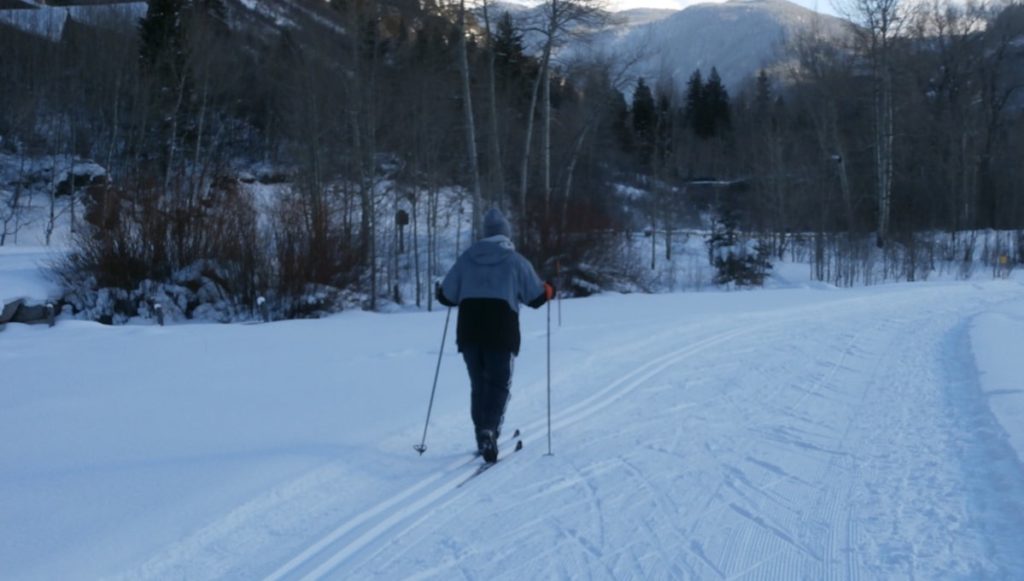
{"x":561,"y":284}
{"x":549,"y":379}
{"x":422,"y":447}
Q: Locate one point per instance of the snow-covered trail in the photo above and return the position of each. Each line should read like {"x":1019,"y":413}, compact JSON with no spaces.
{"x":840,"y":443}
{"x":841,"y":440}
{"x":782,"y":434}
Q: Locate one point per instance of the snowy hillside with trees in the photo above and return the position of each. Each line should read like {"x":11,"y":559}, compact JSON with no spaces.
{"x":222,"y":152}
{"x":737,"y":37}
{"x":785,"y":341}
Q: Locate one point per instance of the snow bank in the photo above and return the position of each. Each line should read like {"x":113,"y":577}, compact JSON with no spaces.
{"x":999,"y":354}
{"x":22,"y":274}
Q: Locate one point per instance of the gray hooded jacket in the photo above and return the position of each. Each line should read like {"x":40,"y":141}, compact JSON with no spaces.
{"x":488,"y":283}
{"x":492,"y":269}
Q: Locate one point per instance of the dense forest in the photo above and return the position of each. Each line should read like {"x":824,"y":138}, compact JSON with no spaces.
{"x":305,"y":162}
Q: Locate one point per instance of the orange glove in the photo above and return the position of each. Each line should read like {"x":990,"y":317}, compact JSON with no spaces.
{"x":549,"y":290}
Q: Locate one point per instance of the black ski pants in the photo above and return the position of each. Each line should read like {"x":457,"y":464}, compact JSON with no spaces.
{"x":490,"y":375}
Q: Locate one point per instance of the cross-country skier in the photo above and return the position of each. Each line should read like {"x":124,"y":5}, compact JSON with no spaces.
{"x":487,"y":283}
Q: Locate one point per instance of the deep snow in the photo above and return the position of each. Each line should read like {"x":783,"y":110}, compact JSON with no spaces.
{"x":789,"y":433}
{"x":21,"y":274}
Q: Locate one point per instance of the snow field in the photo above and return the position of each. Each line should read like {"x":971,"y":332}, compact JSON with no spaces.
{"x":20,"y":275}
{"x":834,"y":459}
{"x":798,"y":433}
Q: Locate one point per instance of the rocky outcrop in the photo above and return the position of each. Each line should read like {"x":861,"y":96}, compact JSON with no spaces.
{"x":17,"y":311}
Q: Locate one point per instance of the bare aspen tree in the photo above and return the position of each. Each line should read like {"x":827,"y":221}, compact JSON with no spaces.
{"x":880,"y":23}
{"x":951,"y":41}
{"x":561,"y":18}
{"x":524,"y":169}
{"x":361,"y":115}
{"x":414,"y":202}
{"x":615,"y":72}
{"x":13,"y":205}
{"x":546,"y":147}
{"x":496,"y":166}
{"x":356,"y":116}
{"x":1001,"y":80}
{"x":470,"y":123}
{"x":826,"y":70}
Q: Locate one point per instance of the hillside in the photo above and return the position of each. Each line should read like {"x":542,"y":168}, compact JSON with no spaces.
{"x":738,"y":37}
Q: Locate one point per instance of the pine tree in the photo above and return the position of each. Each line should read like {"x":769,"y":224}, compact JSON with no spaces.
{"x":160,"y":39}
{"x":619,"y":121}
{"x":737,"y":259}
{"x":716,"y":99}
{"x":707,"y":105}
{"x":512,"y":67}
{"x":663,"y":131}
{"x":508,"y":44}
{"x":163,"y":31}
{"x":694,"y":111}
{"x":645,"y":119}
{"x":213,"y":9}
{"x":762,"y":94}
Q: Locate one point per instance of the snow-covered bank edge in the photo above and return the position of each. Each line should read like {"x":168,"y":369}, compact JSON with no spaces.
{"x":999,"y":356}
{"x":23,"y":274}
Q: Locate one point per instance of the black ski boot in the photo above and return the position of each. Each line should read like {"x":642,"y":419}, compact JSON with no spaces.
{"x":487,"y":443}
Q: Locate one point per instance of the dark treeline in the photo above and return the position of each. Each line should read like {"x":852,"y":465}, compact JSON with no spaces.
{"x":357,"y":110}
{"x":910,"y":126}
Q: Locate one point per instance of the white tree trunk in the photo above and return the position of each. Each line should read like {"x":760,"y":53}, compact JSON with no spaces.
{"x":525,"y":167}
{"x":884,"y":150}
{"x":467,"y":108}
{"x":547,"y":146}
{"x":497,"y":167}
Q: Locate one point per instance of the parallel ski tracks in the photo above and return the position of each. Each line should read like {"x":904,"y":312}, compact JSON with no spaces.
{"x":362,"y":537}
{"x":411,"y":505}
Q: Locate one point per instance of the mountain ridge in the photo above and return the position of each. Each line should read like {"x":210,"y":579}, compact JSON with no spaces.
{"x":737,"y":37}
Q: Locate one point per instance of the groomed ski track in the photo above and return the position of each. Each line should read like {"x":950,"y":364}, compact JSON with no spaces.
{"x":846,"y":439}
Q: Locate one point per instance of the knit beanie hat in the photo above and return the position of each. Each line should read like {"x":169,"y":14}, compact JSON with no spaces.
{"x":495,"y":223}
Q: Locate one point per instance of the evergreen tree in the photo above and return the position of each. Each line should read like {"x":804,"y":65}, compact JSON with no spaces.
{"x":160,"y":39}
{"x":512,"y":67}
{"x":737,"y":259}
{"x":508,"y":44}
{"x":213,"y":9}
{"x":645,"y":119}
{"x":663,"y":137}
{"x":716,"y":102}
{"x":618,"y":120}
{"x":162,"y":54}
{"x":694,"y":110}
{"x":762,"y":94}
{"x":707,"y":105}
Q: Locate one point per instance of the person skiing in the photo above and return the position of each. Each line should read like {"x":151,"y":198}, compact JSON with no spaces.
{"x":488,"y":283}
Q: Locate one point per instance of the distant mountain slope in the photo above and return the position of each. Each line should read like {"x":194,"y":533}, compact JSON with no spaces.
{"x":738,"y":37}
{"x":642,"y":16}
{"x":261,"y":21}
{"x":49,"y":20}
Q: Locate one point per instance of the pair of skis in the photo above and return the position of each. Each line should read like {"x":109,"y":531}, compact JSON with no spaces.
{"x":487,"y":465}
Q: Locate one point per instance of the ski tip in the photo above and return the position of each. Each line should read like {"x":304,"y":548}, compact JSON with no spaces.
{"x":516,"y":434}
{"x":519,"y":445}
